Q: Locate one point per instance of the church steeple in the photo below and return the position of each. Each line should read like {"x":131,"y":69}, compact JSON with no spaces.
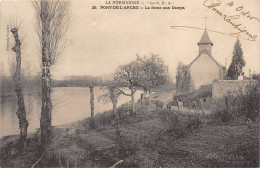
{"x":205,"y":43}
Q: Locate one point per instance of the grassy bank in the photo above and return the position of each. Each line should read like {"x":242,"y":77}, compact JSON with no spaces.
{"x":141,"y":140}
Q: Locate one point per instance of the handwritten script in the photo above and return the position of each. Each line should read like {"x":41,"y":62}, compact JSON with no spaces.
{"x":241,"y":30}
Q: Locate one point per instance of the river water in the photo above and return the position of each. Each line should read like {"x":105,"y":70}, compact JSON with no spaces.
{"x":70,"y":104}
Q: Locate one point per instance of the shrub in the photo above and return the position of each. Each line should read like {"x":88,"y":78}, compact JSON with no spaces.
{"x":222,"y":116}
{"x":173,"y":123}
{"x":243,"y":105}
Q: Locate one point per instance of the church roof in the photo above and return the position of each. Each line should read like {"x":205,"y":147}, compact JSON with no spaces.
{"x":205,"y":39}
{"x":206,"y":52}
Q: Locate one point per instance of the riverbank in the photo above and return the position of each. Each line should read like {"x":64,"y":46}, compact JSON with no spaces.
{"x":141,"y":140}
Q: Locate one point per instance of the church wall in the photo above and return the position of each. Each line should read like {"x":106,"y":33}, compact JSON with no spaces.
{"x":203,"y":71}
{"x":221,"y":73}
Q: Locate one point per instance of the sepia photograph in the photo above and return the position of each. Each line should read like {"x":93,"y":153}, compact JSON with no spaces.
{"x":129,"y":84}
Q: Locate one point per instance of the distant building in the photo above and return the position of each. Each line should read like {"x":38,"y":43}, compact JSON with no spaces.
{"x":204,"y":69}
{"x":240,"y":77}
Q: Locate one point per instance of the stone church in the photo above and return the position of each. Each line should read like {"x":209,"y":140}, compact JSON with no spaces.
{"x":204,"y":69}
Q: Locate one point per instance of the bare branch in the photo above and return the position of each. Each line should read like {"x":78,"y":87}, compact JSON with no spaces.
{"x":57,"y":14}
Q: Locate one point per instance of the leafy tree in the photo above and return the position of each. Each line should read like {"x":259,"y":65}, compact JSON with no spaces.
{"x":181,"y":76}
{"x":238,"y":62}
{"x":256,"y":77}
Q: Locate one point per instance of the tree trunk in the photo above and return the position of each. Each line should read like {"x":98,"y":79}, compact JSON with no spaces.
{"x":142,"y":99}
{"x":21,"y":113}
{"x":92,"y":121}
{"x":113,"y":99}
{"x":92,"y":100}
{"x":145,"y":93}
{"x":46,"y":111}
{"x":133,"y":100}
{"x":114,"y":108}
{"x":149,"y":98}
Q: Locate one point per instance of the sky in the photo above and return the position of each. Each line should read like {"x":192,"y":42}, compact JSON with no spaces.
{"x":101,"y":40}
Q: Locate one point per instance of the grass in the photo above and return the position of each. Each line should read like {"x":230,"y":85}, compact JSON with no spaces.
{"x":143,"y":140}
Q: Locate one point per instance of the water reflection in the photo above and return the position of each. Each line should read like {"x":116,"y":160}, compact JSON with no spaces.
{"x":70,"y":104}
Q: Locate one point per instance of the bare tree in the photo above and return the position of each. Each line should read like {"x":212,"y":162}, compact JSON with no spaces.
{"x":21,"y":112}
{"x":52,"y":25}
{"x":146,"y":73}
{"x":128,"y":78}
{"x":112,"y":93}
{"x":153,"y":72}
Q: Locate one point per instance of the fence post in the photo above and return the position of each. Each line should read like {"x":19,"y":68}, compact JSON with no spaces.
{"x":92,"y":121}
{"x":196,"y":107}
{"x":178,"y":104}
{"x":189,"y":106}
{"x":92,"y":100}
{"x":202,"y":107}
{"x":226,"y":102}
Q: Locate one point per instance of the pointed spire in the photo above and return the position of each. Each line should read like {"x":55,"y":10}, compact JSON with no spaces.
{"x":205,"y":22}
{"x":205,"y":38}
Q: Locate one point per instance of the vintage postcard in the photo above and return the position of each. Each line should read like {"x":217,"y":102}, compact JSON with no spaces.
{"x":129,"y":84}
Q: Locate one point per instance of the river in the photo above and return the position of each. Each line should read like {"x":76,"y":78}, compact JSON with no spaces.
{"x":70,"y":104}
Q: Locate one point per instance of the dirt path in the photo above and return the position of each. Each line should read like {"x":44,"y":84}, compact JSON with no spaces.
{"x":191,"y":111}
{"x":165,"y":97}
